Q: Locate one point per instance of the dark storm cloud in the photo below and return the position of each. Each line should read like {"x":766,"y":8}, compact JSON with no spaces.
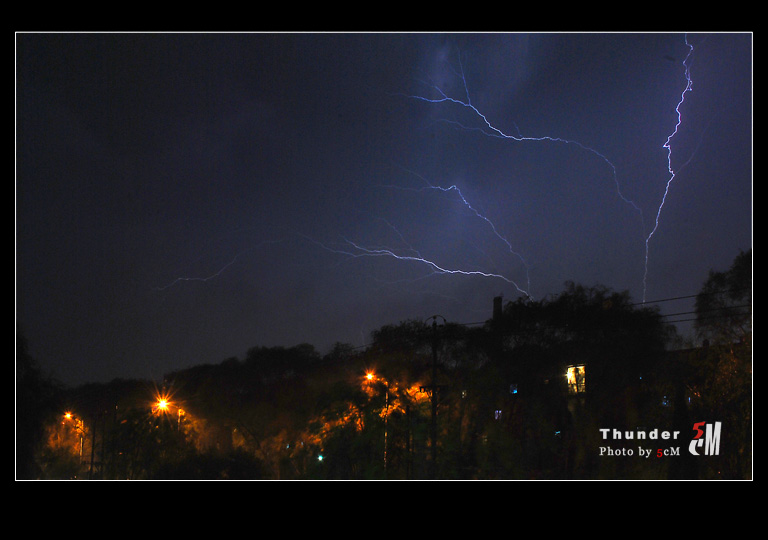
{"x":144,"y":158}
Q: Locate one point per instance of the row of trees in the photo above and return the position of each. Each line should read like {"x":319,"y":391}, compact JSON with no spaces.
{"x":427,"y":399}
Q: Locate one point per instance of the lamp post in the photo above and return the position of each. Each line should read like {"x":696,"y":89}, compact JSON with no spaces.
{"x":371,"y":377}
{"x":79,"y":429}
{"x":433,"y":386}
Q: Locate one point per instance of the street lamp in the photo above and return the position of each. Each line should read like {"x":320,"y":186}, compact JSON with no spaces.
{"x":164,"y":405}
{"x":162,"y":402}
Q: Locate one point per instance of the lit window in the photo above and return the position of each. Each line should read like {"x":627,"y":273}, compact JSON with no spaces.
{"x":576,"y":379}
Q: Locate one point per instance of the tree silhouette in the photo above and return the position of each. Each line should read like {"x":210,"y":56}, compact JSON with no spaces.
{"x":724,"y":304}
{"x":38,"y":400}
{"x":722,"y":371}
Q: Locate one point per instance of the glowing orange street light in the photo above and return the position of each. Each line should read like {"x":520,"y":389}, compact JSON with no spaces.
{"x":162,"y":404}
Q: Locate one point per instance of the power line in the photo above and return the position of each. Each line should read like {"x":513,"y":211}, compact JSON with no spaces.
{"x":710,"y":317}
{"x":711,"y":309}
{"x":689,"y":296}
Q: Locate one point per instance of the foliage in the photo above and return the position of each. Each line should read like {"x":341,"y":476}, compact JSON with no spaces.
{"x":724,"y":304}
{"x":495,"y":394}
{"x":37,"y":406}
{"x":723,"y":370}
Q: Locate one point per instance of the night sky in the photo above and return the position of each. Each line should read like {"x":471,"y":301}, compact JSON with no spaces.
{"x":181,"y":198}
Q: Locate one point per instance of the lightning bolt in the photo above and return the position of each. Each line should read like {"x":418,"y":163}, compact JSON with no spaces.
{"x":356,"y":250}
{"x":466,"y":203}
{"x":668,"y":146}
{"x":218,"y":272}
{"x":489,"y":130}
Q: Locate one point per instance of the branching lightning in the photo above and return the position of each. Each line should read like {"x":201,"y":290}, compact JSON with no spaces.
{"x":490,"y":130}
{"x":355,"y":250}
{"x":668,"y":146}
{"x":466,"y":203}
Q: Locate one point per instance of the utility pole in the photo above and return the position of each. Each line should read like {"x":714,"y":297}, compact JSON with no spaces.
{"x":93,"y":447}
{"x":433,"y":424}
{"x":434,"y":389}
{"x":496,"y":327}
